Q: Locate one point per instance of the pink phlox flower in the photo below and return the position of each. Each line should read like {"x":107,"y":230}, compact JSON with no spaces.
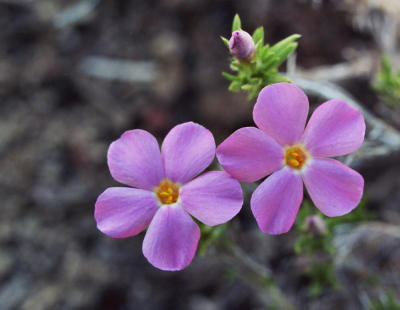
{"x":166,"y":192}
{"x":293,"y":155}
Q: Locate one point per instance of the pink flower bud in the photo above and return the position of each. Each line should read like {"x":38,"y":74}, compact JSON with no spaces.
{"x":315,"y":225}
{"x":241,"y":44}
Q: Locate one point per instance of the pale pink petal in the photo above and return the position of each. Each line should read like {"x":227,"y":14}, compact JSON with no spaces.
{"x":250,"y":154}
{"x":335,"y":128}
{"x":171,"y":239}
{"x":122,"y":212}
{"x":276,"y":201}
{"x":281,"y":112}
{"x":213,"y":198}
{"x":334,"y":188}
{"x":187,"y":150}
{"x":135,"y":159}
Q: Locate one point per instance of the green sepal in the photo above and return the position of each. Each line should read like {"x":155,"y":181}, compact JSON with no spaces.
{"x":237,"y":24}
{"x":226,"y":41}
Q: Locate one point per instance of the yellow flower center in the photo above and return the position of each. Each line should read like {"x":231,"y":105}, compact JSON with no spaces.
{"x":167,"y":192}
{"x":295,"y":156}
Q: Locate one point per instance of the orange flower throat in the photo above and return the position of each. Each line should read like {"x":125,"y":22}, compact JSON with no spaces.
{"x":295,"y":156}
{"x":167,"y":192}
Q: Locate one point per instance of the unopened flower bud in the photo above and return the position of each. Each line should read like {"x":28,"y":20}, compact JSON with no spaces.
{"x":315,"y":225}
{"x":241,"y":44}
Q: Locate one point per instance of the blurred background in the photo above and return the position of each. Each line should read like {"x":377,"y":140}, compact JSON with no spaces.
{"x":75,"y":74}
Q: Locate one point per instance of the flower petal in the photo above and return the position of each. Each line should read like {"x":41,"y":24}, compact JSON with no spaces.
{"x":171,"y":239}
{"x":276,"y":201}
{"x":135,"y":159}
{"x":334,"y":188}
{"x":122,"y":212}
{"x":187,"y":150}
{"x":281,"y":111}
{"x":249,"y":154}
{"x":213,"y":198}
{"x":335,"y":128}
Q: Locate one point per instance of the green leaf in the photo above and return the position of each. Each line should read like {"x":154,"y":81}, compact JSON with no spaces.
{"x":234,"y":66}
{"x":387,"y":83}
{"x":284,"y":54}
{"x":246,"y":87}
{"x":284,"y":43}
{"x":386,"y":302}
{"x":386,"y":66}
{"x":265,"y":52}
{"x":230,"y":76}
{"x":315,"y":289}
{"x":270,"y":62}
{"x":258,"y":35}
{"x":258,"y":47}
{"x":255,"y":80}
{"x":253,"y":93}
{"x":236,"y":25}
{"x":235,"y":86}
{"x":226,"y":41}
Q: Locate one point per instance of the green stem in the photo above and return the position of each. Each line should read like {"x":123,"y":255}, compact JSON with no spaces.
{"x":255,"y":274}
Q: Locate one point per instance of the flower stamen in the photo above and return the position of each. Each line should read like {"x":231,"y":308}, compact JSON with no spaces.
{"x":295,"y":156}
{"x":167,"y":192}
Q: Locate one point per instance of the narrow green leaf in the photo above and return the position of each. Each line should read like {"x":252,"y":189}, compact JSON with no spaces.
{"x":387,"y":83}
{"x":230,"y":76}
{"x":386,"y":66}
{"x":234,"y":67}
{"x":237,"y":25}
{"x":255,"y":80}
{"x":246,"y":87}
{"x":266,"y":52}
{"x":270,"y":62}
{"x":278,"y":78}
{"x":254,"y":92}
{"x":258,"y":35}
{"x":258,"y":48}
{"x":235,"y":86}
{"x":282,"y":44}
{"x":284,"y":54}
